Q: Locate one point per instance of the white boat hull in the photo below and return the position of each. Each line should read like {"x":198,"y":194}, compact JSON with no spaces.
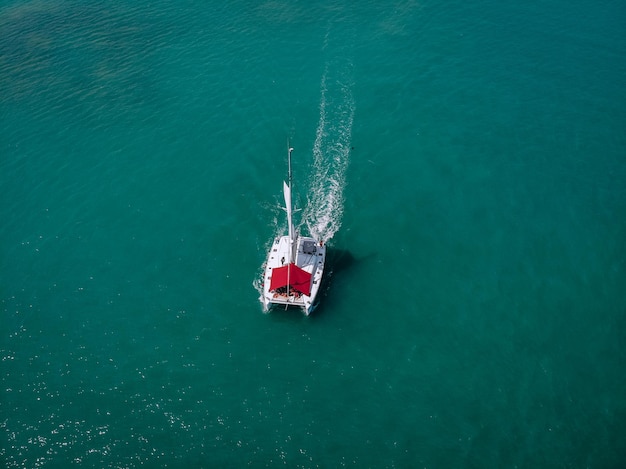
{"x":310,"y":256}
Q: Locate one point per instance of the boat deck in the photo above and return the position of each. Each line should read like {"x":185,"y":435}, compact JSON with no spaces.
{"x":310,"y":257}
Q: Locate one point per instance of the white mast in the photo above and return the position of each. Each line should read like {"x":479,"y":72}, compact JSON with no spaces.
{"x":287,"y":192}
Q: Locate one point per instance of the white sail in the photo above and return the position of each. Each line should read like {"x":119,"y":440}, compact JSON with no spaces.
{"x":287,"y":193}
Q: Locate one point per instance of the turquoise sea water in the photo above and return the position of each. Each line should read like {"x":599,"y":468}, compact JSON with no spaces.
{"x":466,"y":162}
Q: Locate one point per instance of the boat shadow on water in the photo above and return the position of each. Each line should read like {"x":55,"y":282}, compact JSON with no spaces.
{"x":340,"y":263}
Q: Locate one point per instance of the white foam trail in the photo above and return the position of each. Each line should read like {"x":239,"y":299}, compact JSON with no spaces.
{"x":331,"y":153}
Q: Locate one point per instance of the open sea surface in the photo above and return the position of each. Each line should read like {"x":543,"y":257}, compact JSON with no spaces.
{"x":464,"y":161}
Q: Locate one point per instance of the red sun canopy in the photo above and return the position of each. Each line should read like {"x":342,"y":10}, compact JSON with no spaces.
{"x":297,"y":278}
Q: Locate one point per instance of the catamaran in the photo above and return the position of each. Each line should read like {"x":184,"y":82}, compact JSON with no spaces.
{"x":295,"y":264}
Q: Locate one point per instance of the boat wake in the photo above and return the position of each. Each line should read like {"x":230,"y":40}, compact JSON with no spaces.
{"x":331,"y":152}
{"x":323,"y":213}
